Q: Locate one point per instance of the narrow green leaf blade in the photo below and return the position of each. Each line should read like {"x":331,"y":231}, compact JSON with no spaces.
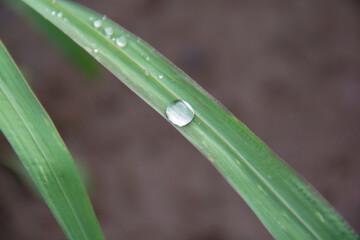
{"x":284,"y":202}
{"x":37,"y":143}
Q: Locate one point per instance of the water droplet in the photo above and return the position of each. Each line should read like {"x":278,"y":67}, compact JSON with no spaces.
{"x":109,"y":31}
{"x":59,"y":14}
{"x":91,"y":18}
{"x":180,"y":113}
{"x":147,"y":73}
{"x":104,"y":17}
{"x":96,"y":50}
{"x":53,"y":13}
{"x":97,"y":23}
{"x":147,"y":58}
{"x":161,"y":76}
{"x":121,"y":41}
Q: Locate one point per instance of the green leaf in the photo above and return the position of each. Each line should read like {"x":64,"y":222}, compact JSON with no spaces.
{"x":36,"y":141}
{"x":284,"y":202}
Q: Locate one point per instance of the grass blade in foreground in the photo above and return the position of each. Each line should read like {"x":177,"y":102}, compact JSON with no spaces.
{"x":37,"y":143}
{"x":286,"y":204}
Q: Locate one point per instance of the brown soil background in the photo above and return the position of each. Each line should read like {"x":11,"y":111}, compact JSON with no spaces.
{"x":290,"y":70}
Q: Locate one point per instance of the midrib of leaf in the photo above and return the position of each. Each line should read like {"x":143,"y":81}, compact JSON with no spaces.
{"x":46,"y":159}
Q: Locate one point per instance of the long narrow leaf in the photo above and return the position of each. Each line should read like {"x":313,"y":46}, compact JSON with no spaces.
{"x":37,"y":143}
{"x":284,"y":202}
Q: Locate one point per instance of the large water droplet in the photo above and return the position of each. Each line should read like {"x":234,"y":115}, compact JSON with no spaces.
{"x":109,"y":31}
{"x":180,"y":113}
{"x":97,"y":23}
{"x":96,"y":50}
{"x":53,"y":13}
{"x":121,"y":41}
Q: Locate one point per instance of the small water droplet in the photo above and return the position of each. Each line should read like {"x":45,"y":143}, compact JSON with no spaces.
{"x":121,"y":41}
{"x":96,"y":50}
{"x":53,"y":13}
{"x":104,"y":17}
{"x":91,"y":18}
{"x":147,"y":58}
{"x":161,"y":76}
{"x":180,"y":113}
{"x":59,"y":14}
{"x":147,"y":73}
{"x":109,"y":31}
{"x":97,"y":23}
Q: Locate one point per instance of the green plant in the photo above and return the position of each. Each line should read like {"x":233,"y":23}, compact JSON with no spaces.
{"x":288,"y":206}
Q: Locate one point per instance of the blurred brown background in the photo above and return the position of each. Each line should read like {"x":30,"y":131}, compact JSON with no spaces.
{"x":290,"y":70}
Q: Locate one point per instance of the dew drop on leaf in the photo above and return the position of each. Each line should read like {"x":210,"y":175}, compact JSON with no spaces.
{"x":97,"y":23}
{"x":59,"y":14}
{"x":121,"y":41}
{"x":109,"y":31}
{"x":180,"y":113}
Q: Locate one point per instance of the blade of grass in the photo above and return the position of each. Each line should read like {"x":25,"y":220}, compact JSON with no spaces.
{"x":284,"y":202}
{"x":36,"y":141}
